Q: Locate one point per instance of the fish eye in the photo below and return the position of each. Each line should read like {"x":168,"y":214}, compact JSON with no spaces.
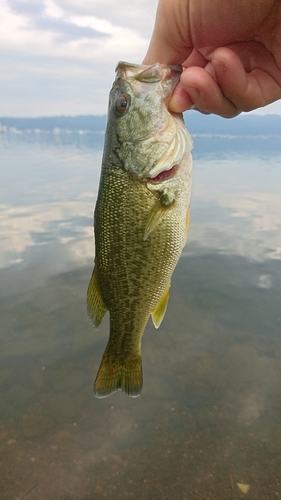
{"x":121,"y":104}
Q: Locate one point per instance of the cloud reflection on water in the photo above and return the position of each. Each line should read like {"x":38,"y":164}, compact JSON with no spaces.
{"x":67,"y":223}
{"x":235,"y":207}
{"x":223,"y":220}
{"x":245,"y":224}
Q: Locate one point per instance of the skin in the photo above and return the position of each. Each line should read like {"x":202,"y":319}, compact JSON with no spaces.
{"x":230,"y":51}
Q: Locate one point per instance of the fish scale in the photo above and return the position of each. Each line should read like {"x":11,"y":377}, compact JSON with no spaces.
{"x":138,"y":240}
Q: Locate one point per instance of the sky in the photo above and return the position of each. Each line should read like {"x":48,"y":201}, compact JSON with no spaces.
{"x":58,"y":56}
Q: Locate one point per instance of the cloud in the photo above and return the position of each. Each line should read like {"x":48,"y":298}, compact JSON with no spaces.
{"x":138,"y":15}
{"x":58,"y":57}
{"x":52,"y":32}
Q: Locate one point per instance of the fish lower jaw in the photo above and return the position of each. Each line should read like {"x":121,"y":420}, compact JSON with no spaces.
{"x":164,"y":175}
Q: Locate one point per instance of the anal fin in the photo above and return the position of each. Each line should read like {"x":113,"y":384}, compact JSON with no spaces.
{"x":158,"y":312}
{"x":95,"y":303}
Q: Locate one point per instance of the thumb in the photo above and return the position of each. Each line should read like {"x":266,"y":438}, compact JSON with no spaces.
{"x":170,"y":42}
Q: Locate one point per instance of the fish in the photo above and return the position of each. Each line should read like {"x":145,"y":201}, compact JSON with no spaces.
{"x":141,"y":217}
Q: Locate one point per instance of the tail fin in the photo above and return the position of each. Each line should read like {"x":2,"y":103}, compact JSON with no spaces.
{"x":124,"y":374}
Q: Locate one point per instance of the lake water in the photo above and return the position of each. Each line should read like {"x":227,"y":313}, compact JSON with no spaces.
{"x":209,"y":416}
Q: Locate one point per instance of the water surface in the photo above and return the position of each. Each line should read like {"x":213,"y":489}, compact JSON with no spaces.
{"x":209,"y":414}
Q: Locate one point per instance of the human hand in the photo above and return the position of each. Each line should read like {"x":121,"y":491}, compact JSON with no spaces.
{"x":230,"y":53}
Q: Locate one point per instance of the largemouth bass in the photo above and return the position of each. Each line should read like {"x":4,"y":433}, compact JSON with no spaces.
{"x":141,"y":217}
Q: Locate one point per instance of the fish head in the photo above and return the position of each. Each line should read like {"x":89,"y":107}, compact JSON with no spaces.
{"x":145,"y":136}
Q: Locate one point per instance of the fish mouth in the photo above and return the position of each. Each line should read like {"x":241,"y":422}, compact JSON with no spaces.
{"x":141,"y":76}
{"x":164,"y":175}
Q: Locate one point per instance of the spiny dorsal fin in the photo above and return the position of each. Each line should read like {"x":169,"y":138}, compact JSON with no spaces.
{"x":158,"y":312}
{"x":95,"y":303}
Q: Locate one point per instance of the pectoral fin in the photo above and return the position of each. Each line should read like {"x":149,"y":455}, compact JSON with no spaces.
{"x":95,"y":303}
{"x":156,"y":215}
{"x":187,"y":222}
{"x":159,"y":312}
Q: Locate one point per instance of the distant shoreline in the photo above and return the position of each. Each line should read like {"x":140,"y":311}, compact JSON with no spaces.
{"x":197,"y":124}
